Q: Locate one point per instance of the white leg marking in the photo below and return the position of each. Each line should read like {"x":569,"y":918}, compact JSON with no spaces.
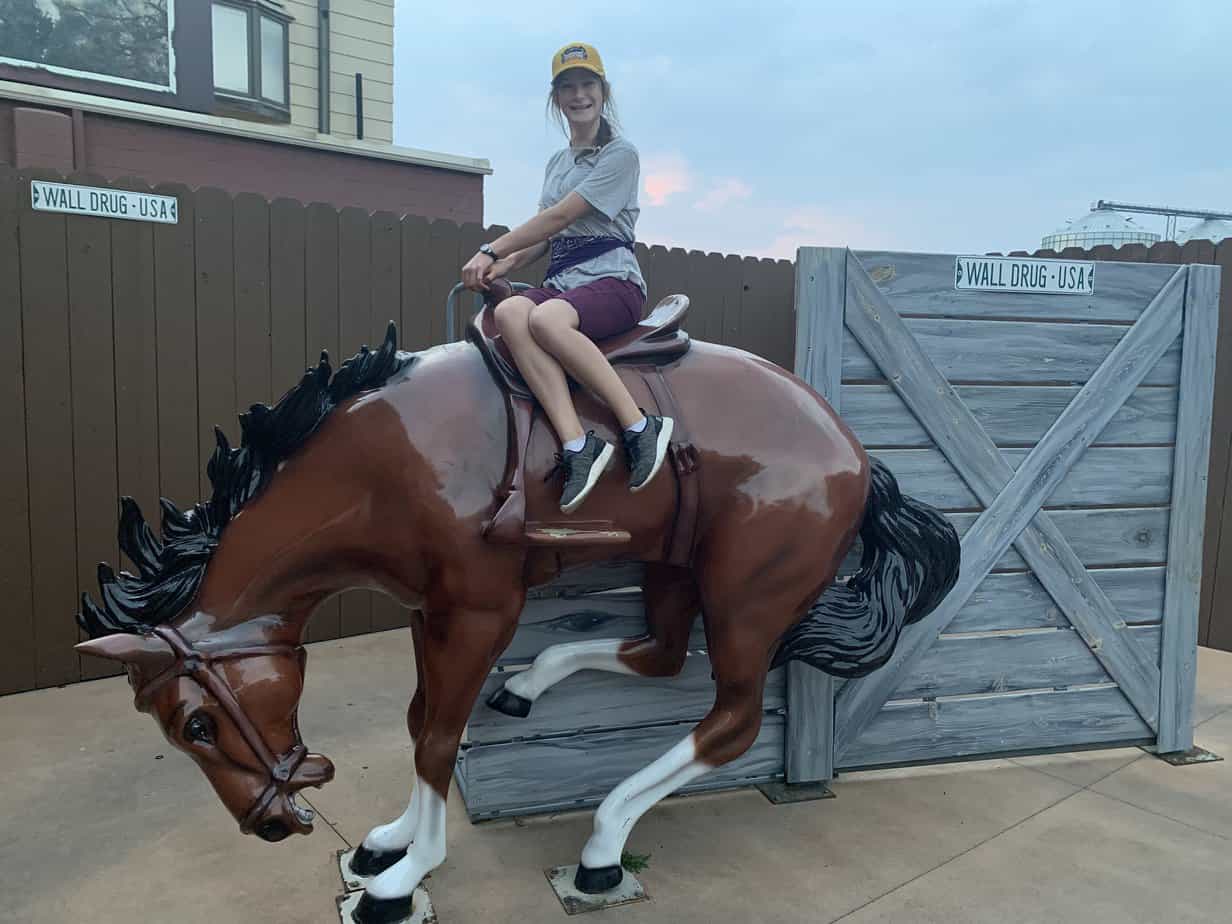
{"x":557,"y":662}
{"x":423,"y":856}
{"x":399,"y":833}
{"x":629,"y":801}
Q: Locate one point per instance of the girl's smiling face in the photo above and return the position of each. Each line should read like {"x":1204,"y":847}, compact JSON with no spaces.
{"x":579,"y":94}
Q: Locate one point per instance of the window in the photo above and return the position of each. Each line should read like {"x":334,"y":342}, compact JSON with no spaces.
{"x":127,"y":44}
{"x":251,"y":75}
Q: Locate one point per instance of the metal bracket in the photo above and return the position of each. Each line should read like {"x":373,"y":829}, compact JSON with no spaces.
{"x":575,"y":902}
{"x":780,"y":793}
{"x":1194,"y":755}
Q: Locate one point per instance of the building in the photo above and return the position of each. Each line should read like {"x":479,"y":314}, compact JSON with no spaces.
{"x":1209,"y":229}
{"x":1096,"y":228}
{"x":1106,"y":223}
{"x":277,"y":97}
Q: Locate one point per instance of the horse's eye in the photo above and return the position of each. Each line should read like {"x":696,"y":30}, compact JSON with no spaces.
{"x":199,"y":728}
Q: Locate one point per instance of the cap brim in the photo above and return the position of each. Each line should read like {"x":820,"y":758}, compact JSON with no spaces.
{"x":579,"y":67}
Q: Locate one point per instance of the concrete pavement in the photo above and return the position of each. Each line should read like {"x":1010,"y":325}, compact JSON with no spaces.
{"x":103,"y":821}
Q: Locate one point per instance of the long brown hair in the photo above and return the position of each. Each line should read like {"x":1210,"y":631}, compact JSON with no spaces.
{"x":608,"y":120}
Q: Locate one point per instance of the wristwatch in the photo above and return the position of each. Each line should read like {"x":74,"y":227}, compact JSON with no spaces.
{"x":487,"y":250}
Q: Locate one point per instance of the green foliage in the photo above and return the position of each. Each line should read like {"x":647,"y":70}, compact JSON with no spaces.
{"x":116,"y":38}
{"x":634,"y":862}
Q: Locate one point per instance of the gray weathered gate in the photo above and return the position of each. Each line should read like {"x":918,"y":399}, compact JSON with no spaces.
{"x":1066,"y":437}
{"x":1048,"y":428}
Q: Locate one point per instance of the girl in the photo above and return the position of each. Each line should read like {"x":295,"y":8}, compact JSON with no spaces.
{"x":593,"y":288}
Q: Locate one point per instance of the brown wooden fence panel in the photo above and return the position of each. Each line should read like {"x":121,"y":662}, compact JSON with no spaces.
{"x":321,"y":299}
{"x":288,"y":346}
{"x":136,"y":360}
{"x":175,"y":301}
{"x":439,"y":265}
{"x":49,"y":441}
{"x":1216,"y":626}
{"x":216,"y":373}
{"x":17,"y":654}
{"x":92,"y":372}
{"x":385,"y":307}
{"x":355,"y":323}
{"x":415,"y":330}
{"x":253,"y":359}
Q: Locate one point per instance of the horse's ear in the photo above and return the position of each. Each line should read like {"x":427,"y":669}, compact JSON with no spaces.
{"x":148,"y":652}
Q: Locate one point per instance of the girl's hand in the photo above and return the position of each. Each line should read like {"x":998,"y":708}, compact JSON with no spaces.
{"x":502,"y":267}
{"x":475,"y":270}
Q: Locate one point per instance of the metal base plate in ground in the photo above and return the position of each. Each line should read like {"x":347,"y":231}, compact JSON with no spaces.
{"x":350,"y":882}
{"x":1185,"y":758}
{"x":575,"y":902}
{"x":781,"y":793}
{"x":422,"y":911}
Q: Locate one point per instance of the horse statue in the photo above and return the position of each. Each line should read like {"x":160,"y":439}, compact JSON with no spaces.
{"x":429,"y":476}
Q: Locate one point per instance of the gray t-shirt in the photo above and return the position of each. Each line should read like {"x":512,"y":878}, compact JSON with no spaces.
{"x":608,"y":180}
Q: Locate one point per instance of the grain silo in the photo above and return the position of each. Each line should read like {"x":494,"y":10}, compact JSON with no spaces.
{"x":1097,"y":227}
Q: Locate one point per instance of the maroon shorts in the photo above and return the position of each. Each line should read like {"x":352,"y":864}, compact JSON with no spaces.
{"x":605,"y":307}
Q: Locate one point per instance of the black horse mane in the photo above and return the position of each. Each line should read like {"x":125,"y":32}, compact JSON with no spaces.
{"x":170,"y":569}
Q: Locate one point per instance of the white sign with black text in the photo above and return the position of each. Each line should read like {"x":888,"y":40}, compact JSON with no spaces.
{"x":103,"y":203}
{"x":1024,"y":274}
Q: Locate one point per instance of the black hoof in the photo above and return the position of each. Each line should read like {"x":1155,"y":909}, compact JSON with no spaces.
{"x":594,"y":881}
{"x":510,"y":703}
{"x":381,"y":910}
{"x":365,"y":862}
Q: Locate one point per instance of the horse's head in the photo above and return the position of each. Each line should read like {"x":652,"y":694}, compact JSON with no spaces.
{"x":226,"y":691}
{"x":233,"y":711}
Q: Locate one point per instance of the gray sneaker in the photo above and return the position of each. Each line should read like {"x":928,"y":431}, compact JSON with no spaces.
{"x":582,"y":470}
{"x":647,"y":450}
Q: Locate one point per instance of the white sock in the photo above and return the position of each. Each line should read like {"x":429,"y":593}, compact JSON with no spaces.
{"x":638,"y":427}
{"x":575,"y":445}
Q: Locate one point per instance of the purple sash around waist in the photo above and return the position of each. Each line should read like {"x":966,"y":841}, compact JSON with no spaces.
{"x":570,"y":251}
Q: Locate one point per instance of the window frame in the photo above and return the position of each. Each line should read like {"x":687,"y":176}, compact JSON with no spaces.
{"x":230,"y":102}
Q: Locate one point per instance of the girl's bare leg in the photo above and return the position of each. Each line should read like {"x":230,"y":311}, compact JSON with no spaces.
{"x":554,"y":327}
{"x":541,"y":371}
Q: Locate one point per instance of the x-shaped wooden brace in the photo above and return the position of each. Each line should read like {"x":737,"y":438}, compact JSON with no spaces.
{"x":1012,"y":499}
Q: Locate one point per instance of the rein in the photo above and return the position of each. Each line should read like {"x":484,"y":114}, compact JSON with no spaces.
{"x":197,"y":665}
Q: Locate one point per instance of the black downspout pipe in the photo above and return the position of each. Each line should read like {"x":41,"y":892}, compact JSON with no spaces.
{"x":323,"y":66}
{"x":359,"y":107}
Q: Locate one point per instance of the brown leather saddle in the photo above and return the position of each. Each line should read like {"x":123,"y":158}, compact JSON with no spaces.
{"x":654,"y":342}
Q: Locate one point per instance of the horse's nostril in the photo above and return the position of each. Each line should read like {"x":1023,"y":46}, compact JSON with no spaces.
{"x":273,"y":830}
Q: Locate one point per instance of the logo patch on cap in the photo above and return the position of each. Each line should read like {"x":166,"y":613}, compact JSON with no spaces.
{"x":573,"y":53}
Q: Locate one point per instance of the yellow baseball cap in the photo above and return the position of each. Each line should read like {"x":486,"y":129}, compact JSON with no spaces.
{"x":577,"y":54}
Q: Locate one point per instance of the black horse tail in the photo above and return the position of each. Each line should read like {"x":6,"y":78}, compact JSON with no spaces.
{"x":910,"y":562}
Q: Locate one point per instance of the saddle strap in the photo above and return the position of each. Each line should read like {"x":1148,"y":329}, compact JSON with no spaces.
{"x":508,"y":524}
{"x":683,"y":456}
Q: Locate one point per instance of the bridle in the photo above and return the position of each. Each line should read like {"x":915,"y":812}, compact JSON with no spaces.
{"x":198,"y":665}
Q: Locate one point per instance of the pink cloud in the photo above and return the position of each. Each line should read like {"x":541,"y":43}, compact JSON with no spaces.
{"x":724,"y":191}
{"x":664,"y":176}
{"x":809,"y":227}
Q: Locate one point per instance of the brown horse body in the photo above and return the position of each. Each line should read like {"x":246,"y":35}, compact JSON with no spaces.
{"x":392,"y":492}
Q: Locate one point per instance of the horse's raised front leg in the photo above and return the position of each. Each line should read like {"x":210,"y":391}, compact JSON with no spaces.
{"x":386,"y":844}
{"x":670,"y":600}
{"x":458,"y":650}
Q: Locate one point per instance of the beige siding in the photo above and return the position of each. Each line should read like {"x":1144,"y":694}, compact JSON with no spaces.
{"x":361,"y":41}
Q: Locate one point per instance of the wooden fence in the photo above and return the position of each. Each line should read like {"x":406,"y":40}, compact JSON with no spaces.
{"x":123,"y":344}
{"x":1067,"y":439}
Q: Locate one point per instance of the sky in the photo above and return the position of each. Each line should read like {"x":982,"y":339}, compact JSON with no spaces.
{"x":941,"y":126}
